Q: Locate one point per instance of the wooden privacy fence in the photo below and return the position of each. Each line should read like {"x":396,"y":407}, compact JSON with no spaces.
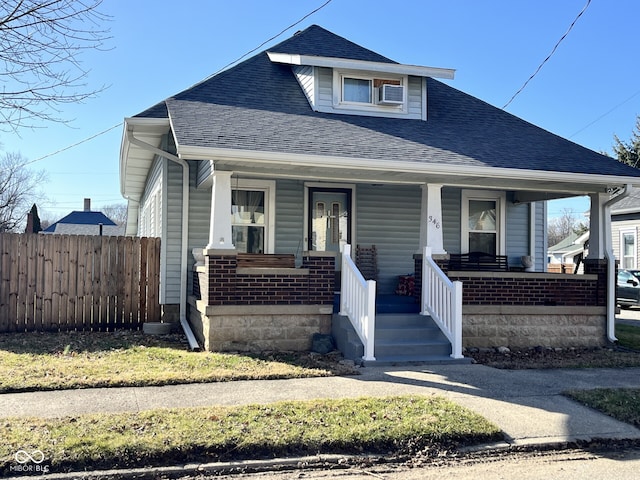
{"x":77,"y":282}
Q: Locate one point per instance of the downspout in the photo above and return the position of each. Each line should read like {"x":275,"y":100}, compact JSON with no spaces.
{"x":193,"y":343}
{"x":611,"y":265}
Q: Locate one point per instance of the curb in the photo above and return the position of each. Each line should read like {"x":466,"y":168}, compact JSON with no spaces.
{"x":218,"y":468}
{"x":335,"y":461}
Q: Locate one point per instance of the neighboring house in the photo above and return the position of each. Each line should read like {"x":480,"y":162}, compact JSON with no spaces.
{"x":568,"y":254}
{"x":625,"y":225}
{"x":85,"y":222}
{"x":269,"y":169}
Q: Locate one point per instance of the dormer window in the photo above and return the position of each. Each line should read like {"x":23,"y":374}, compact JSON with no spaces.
{"x":372,"y":91}
{"x":360,"y":87}
{"x":357,"y":91}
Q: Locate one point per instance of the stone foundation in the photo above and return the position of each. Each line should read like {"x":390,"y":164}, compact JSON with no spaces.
{"x":517,"y":327}
{"x":253,"y":329}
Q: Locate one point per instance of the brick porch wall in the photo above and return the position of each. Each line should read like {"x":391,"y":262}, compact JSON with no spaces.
{"x":258,"y":308}
{"x":223,"y":283}
{"x":528,"y":288}
{"x":527,"y":309}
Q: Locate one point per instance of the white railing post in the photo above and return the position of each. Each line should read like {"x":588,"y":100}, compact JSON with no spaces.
{"x":456,"y":343}
{"x":346,"y":252}
{"x":358,"y":302}
{"x":442,"y":300}
{"x":370,"y":320}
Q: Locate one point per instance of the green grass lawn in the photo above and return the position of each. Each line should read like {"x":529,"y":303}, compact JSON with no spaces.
{"x":51,"y":361}
{"x":628,"y":336}
{"x":392,"y":425}
{"x":620,"y":403}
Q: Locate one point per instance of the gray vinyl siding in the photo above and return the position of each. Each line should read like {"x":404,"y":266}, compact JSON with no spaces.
{"x":517,"y":234}
{"x":305,"y":77}
{"x":388,"y":216}
{"x":172,"y":236}
{"x":541,"y":237}
{"x":517,"y":228}
{"x":199,"y":217}
{"x":451,"y":212}
{"x":626,"y":225}
{"x":325,"y":87}
{"x":414,"y":96}
{"x":204,"y":169}
{"x":324,"y":100}
{"x":149,"y":218}
{"x":289,"y":217}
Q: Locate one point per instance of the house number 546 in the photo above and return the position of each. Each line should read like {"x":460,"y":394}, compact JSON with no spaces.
{"x":434,"y":221}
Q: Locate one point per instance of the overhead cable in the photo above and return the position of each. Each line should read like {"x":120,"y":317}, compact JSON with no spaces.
{"x":548,"y":56}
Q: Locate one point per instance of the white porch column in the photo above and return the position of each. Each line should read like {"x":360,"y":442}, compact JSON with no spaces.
{"x":220,"y":223}
{"x":431,"y":219}
{"x":597,"y":227}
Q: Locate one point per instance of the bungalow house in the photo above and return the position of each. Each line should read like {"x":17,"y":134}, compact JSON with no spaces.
{"x":566,"y":256}
{"x":625,"y":225}
{"x":85,"y":222}
{"x":282,"y":171}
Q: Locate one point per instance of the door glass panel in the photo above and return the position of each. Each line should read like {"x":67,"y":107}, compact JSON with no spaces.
{"x":329,"y":222}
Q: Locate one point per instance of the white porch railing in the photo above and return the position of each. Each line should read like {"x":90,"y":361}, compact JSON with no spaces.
{"x":358,"y":302}
{"x":442,"y":300}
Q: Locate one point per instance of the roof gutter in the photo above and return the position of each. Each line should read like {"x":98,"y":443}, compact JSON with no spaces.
{"x":611,"y":264}
{"x":193,"y":343}
{"x":413,"y":167}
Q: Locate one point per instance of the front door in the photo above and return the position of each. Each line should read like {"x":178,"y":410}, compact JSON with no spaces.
{"x":329,"y":219}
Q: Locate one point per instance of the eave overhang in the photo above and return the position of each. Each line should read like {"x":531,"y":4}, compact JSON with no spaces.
{"x":361,"y":65}
{"x":548,"y":185}
{"x":135,"y":162}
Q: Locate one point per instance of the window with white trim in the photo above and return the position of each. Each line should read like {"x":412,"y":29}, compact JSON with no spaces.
{"x":483,"y":222}
{"x":252,"y":218}
{"x":628,"y":249}
{"x":359,"y":90}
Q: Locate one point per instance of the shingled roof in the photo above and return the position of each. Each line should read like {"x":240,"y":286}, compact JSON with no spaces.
{"x":258,"y":105}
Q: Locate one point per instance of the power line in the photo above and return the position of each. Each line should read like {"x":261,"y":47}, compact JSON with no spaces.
{"x":75,"y":144}
{"x":268,"y":40}
{"x":212,"y":75}
{"x":548,"y":56}
{"x":605,"y":114}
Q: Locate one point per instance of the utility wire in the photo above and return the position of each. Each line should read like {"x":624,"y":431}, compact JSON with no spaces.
{"x":74,"y":145}
{"x":207,"y":78}
{"x":548,"y":56}
{"x":268,"y":40}
{"x":605,"y":114}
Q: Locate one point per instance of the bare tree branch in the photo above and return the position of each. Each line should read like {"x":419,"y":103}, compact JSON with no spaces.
{"x":41,"y":43}
{"x":19,"y":189}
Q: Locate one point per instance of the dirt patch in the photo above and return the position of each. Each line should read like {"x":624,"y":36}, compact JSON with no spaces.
{"x":545,"y":357}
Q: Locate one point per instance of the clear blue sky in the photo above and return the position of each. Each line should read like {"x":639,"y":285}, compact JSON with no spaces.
{"x":587,"y":92}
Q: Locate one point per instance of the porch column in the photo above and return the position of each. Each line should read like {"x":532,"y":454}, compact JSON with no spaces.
{"x":431,"y":219}
{"x":220,"y":237}
{"x":597,"y":227}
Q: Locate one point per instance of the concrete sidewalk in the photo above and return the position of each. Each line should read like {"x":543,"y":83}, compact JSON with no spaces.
{"x":526,"y":404}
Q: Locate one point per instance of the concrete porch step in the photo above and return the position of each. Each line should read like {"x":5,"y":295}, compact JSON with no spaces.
{"x":399,"y":338}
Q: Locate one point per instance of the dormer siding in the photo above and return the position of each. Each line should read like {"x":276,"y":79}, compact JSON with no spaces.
{"x":318,"y":83}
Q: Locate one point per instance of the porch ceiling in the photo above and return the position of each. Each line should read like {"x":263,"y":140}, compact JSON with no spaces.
{"x":548,"y":185}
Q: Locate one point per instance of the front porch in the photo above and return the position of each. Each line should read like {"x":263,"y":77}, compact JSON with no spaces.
{"x":239,"y":307}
